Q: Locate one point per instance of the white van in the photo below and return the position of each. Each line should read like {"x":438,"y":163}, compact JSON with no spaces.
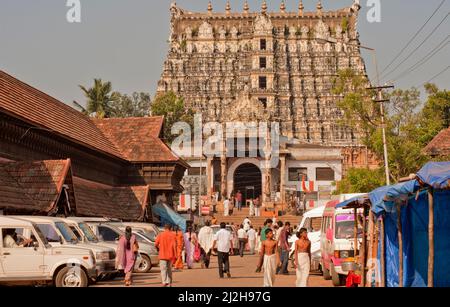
{"x":39,"y":262}
{"x":337,"y":240}
{"x":57,"y":233}
{"x":312,"y":221}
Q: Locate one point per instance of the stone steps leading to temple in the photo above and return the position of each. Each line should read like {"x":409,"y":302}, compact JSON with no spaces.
{"x":238,"y":217}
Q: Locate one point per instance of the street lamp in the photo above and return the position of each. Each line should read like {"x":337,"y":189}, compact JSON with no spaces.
{"x":379,"y":99}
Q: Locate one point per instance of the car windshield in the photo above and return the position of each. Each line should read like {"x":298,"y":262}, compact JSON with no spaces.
{"x":40,"y":234}
{"x":141,"y":238}
{"x":345,"y":226}
{"x":66,"y":232}
{"x":75,"y":231}
{"x":149,"y":235}
{"x":90,"y":235}
{"x":316,"y":223}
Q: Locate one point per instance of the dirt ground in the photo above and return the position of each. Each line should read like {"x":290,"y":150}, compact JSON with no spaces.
{"x":242,"y":275}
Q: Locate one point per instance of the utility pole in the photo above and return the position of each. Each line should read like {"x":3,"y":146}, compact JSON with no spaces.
{"x":381,"y":101}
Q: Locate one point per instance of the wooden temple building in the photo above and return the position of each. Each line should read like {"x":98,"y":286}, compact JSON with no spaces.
{"x":55,"y":160}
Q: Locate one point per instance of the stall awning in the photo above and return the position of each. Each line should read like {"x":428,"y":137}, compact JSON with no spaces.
{"x":436,"y":174}
{"x":383,"y":198}
{"x":354,"y":200}
{"x":169,"y":216}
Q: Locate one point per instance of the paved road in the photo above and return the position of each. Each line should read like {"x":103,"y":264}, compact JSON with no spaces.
{"x":242,"y":271}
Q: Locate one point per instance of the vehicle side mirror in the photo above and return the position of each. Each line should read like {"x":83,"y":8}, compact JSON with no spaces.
{"x":61,"y":240}
{"x":35,"y":245}
{"x":329,"y":234}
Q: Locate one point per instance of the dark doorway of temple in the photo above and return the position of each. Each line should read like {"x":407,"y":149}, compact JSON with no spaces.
{"x":247,"y":179}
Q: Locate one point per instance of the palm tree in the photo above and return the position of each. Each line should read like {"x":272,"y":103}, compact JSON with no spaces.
{"x":99,"y":99}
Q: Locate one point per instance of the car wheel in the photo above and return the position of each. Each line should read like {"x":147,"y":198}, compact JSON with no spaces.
{"x":335,"y":277}
{"x":145,"y":265}
{"x":326,"y":272}
{"x":73,"y":277}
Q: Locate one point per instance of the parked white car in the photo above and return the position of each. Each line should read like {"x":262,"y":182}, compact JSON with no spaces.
{"x":150,"y":230}
{"x":58,"y":233}
{"x":110,"y":233}
{"x":39,"y":262}
{"x":312,"y":221}
{"x":85,"y":234}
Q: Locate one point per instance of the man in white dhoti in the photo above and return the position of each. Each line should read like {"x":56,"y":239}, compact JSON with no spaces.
{"x":226,"y":207}
{"x":271,"y":258}
{"x":251,"y":208}
{"x":206,"y":240}
{"x":302,"y":258}
{"x":246,"y":224}
{"x":251,"y":234}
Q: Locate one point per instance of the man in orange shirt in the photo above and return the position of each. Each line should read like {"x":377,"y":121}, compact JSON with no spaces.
{"x":166,"y":245}
{"x":180,"y":244}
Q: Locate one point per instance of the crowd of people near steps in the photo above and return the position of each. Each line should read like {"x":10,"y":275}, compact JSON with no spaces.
{"x":179,"y":251}
{"x":236,"y":202}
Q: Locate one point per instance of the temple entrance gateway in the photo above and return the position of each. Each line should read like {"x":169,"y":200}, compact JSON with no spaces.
{"x":248,"y":179}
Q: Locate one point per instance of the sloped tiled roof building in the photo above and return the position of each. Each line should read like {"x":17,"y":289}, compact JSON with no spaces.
{"x":55,"y":160}
{"x":440,"y":145}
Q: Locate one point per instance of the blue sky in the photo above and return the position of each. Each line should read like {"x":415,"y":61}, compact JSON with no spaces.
{"x":126,"y":41}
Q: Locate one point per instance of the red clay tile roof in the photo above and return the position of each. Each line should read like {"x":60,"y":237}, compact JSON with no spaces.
{"x":98,"y":200}
{"x":137,"y":138}
{"x":21,"y":100}
{"x":133,"y":139}
{"x":32,"y":187}
{"x":440,"y":145}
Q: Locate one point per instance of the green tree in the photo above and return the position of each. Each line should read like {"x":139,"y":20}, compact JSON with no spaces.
{"x":173,"y":109}
{"x":435,"y":114}
{"x":99,"y":99}
{"x":134,"y":105}
{"x":410,"y":125}
{"x":361,"y":180}
{"x":359,"y":111}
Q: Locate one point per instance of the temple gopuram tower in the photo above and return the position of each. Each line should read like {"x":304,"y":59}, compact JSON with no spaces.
{"x":268,"y":66}
{"x":282,"y":61}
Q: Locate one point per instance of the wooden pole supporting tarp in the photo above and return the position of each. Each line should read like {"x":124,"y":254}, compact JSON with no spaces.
{"x":430,"y":238}
{"x":383,"y":252}
{"x":355,"y":213}
{"x":364,"y":248}
{"x":369,"y":262}
{"x":400,"y":246}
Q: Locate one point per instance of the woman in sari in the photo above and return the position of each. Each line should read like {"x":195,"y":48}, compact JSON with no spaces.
{"x":180,"y":244}
{"x":127,"y":249}
{"x":190,"y":241}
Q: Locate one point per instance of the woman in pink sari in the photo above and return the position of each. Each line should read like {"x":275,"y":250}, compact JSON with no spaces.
{"x":127,"y":249}
{"x":190,"y":241}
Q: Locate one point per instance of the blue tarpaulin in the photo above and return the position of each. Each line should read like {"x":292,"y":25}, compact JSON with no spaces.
{"x":436,"y":174}
{"x":414,"y":220}
{"x":351,"y":200}
{"x":376,"y":198}
{"x":168,"y":216}
{"x":383,"y":199}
